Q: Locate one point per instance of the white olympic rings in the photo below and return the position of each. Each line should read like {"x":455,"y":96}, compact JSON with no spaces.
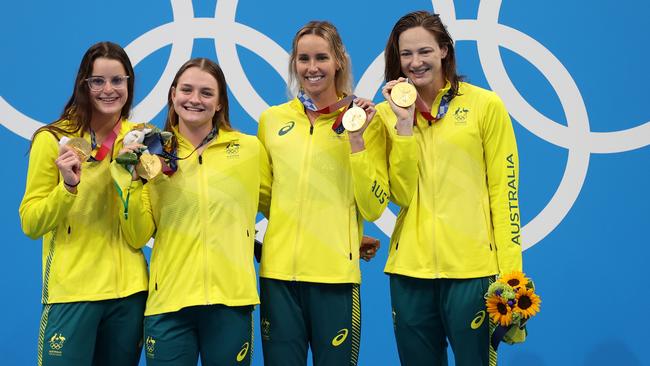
{"x":489,"y":35}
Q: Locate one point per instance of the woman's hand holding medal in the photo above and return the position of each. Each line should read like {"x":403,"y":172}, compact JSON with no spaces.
{"x":356,"y":119}
{"x":401,"y":96}
{"x":129,"y":157}
{"x":72,"y":152}
{"x":147,"y":166}
{"x":69,"y":165}
{"x":141,"y":164}
{"x":136,"y":156}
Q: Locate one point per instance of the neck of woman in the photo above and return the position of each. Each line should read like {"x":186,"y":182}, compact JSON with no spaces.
{"x":325,"y":98}
{"x":102,"y":125}
{"x":429,"y":92}
{"x":194,"y":133}
{"x":321,"y":100}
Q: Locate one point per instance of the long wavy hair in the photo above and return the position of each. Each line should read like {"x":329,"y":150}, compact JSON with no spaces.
{"x":432,"y":23}
{"x":78,"y":111}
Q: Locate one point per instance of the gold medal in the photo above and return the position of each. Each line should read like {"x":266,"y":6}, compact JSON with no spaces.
{"x":403,"y":94}
{"x":149,"y":166}
{"x":81,"y":147}
{"x":354,"y":118}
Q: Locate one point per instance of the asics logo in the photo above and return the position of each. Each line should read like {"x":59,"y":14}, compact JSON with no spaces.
{"x":478,"y":320}
{"x":286,"y":128}
{"x":341,"y":336}
{"x":244,"y":351}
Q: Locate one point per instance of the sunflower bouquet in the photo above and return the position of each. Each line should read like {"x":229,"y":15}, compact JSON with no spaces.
{"x":510,"y":302}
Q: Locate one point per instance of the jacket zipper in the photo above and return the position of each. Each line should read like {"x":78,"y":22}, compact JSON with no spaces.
{"x":301,"y":185}
{"x":204,"y":215}
{"x":433,"y":168}
{"x":114,"y":245}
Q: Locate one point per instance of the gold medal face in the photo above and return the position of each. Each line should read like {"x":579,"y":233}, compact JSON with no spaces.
{"x":149,"y":166}
{"x":81,"y":147}
{"x":354,"y":118}
{"x":403,"y":94}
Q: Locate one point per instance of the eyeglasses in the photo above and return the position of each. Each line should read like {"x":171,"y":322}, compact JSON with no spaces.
{"x":97,"y":83}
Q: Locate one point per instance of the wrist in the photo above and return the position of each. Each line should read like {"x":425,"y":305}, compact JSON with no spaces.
{"x":404,"y":127}
{"x":356,"y":144}
{"x":405,"y":131}
{"x":71,"y":185}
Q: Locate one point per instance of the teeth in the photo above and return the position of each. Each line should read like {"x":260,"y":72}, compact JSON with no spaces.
{"x":194,"y":109}
{"x":314,"y":78}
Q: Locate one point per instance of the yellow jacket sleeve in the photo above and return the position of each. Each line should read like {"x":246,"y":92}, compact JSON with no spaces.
{"x":502,"y":168}
{"x":403,"y":155}
{"x":370,"y":173}
{"x":46,"y":202}
{"x":266,"y":177}
{"x":402,"y":168}
{"x":136,"y":218}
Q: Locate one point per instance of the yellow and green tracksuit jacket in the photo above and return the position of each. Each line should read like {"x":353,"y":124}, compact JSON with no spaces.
{"x":459,"y":214}
{"x":85,"y":255}
{"x":203,"y":220}
{"x":321,"y":194}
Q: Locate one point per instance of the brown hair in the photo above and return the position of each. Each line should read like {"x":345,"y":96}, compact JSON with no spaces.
{"x":327,"y":31}
{"x":433,"y":24}
{"x":221,"y":119}
{"x":78,"y":110}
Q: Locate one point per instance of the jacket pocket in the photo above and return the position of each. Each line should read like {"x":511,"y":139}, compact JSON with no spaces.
{"x":488,"y":222}
{"x":353,"y":232}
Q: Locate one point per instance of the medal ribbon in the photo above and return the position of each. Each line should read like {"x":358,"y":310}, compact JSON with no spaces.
{"x":421,"y":107}
{"x":107,"y":144}
{"x":154,"y":144}
{"x":346,"y":101}
{"x":170,"y":165}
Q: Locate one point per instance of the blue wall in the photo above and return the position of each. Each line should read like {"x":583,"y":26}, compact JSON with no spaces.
{"x":572,"y":74}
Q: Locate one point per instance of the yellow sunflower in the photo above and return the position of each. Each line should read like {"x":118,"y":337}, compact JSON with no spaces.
{"x":515,"y":279}
{"x":527,"y":302}
{"x":499,"y":310}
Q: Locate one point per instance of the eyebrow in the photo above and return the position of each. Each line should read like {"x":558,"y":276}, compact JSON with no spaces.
{"x":199,"y":87}
{"x":318,"y":54}
{"x":419,"y":49}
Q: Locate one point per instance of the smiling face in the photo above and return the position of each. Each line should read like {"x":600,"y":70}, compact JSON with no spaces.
{"x":421,"y":58}
{"x":316,"y":67}
{"x":110,"y":100}
{"x":196,"y":98}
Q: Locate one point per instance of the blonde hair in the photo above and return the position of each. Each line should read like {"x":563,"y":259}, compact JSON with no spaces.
{"x":327,"y":31}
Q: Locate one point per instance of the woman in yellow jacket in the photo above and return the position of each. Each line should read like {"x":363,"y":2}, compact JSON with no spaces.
{"x":203,"y":282}
{"x":326,"y":181}
{"x":94,"y":283}
{"x":458,"y":225}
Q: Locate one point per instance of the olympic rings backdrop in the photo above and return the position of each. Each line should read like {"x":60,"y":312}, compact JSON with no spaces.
{"x":573,"y":76}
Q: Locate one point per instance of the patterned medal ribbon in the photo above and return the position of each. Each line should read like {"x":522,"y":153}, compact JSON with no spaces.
{"x":107,"y":144}
{"x":155,"y":146}
{"x":346,"y":101}
{"x":171,"y":157}
{"x":424,"y":110}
